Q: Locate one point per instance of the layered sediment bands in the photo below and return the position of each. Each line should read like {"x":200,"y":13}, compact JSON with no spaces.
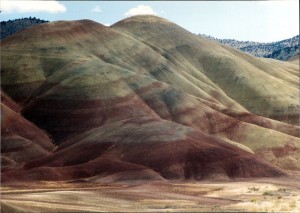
{"x":141,"y":98}
{"x":9,"y":102}
{"x":242,"y":77}
{"x":164,"y":148}
{"x":21,"y":141}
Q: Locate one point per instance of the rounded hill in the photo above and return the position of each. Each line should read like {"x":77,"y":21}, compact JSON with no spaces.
{"x":148,"y":98}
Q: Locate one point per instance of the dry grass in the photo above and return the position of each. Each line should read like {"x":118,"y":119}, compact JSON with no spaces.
{"x":269,"y":194}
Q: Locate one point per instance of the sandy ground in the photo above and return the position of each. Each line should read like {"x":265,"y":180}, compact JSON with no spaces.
{"x":264,"y":194}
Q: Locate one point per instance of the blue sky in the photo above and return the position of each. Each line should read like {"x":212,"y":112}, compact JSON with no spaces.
{"x":262,"y":21}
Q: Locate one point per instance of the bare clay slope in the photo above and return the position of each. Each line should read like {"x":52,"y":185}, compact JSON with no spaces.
{"x":244,"y":78}
{"x":21,"y":141}
{"x":145,"y":148}
{"x":102,"y":93}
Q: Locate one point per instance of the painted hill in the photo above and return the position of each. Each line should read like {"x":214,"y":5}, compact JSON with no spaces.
{"x":21,"y":141}
{"x":281,"y":50}
{"x":146,"y":99}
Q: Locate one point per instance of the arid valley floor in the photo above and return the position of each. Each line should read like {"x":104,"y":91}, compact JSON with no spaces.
{"x":262,"y":195}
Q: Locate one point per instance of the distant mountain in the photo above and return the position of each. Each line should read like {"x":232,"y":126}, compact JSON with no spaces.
{"x":281,"y":50}
{"x":12,"y":26}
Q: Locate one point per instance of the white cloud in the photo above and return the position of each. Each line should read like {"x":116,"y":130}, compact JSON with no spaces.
{"x":140,"y":10}
{"x":8,"y":6}
{"x":107,"y":25}
{"x":97,"y":9}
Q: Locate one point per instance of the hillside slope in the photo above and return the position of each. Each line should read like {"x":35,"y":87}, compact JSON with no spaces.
{"x":242,"y":77}
{"x":145,"y":99}
{"x":21,"y":141}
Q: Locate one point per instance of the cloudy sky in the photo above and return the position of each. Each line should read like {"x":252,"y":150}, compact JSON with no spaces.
{"x":262,"y":21}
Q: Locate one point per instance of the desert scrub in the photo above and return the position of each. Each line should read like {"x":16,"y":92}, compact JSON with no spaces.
{"x":253,"y":188}
{"x":253,"y":200}
{"x":293,"y":204}
{"x":282,"y":190}
{"x":269,"y":193}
